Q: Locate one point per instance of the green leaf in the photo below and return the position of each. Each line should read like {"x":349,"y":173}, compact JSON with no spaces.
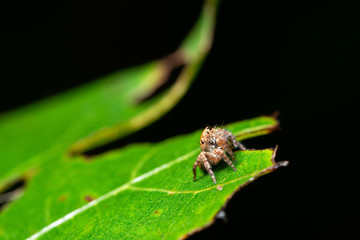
{"x":102,"y":111}
{"x":143,"y":191}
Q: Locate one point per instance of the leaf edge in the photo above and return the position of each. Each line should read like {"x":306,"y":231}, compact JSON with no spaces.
{"x":267,"y":170}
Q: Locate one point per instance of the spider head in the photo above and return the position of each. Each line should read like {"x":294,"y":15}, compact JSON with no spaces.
{"x":207,"y":140}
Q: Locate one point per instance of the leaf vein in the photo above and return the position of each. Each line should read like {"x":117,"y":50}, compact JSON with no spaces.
{"x":170,"y":192}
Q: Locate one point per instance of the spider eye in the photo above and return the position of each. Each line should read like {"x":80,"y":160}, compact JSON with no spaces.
{"x":202,"y":142}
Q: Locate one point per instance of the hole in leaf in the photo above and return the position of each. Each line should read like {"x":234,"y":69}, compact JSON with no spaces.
{"x":12,"y":192}
{"x":147,"y":134}
{"x":173,"y":65}
{"x":169,"y":77}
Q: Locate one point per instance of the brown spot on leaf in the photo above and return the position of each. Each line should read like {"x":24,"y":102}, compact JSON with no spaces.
{"x":62,"y":198}
{"x":89,"y":198}
{"x":157,"y":213}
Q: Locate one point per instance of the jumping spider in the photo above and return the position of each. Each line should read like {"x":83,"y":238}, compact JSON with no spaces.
{"x":215,"y":142}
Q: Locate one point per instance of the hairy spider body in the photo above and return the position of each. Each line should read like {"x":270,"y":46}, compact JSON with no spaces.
{"x":215,"y":143}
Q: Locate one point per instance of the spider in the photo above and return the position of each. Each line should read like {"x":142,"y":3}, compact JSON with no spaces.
{"x":215,"y":142}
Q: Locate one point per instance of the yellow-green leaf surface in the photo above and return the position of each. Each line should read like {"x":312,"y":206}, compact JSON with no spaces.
{"x":102,"y":111}
{"x":142,"y":191}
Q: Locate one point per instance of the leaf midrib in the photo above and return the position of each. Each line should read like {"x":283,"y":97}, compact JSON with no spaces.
{"x":110,"y":194}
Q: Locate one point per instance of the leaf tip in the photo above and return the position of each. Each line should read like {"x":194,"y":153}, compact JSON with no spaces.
{"x":277,"y":164}
{"x":276,"y":114}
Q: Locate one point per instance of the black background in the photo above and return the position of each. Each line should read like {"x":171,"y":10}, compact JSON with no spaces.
{"x":297,"y":57}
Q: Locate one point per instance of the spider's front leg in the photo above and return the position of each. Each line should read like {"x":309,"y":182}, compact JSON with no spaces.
{"x":235,"y":143}
{"x":221,"y":153}
{"x":203,"y":159}
{"x":227,"y":148}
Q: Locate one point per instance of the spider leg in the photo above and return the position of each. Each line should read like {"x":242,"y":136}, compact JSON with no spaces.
{"x":203,"y":158}
{"x":234,"y":142}
{"x":221,"y":153}
{"x":196,"y":164}
{"x":228,"y":149}
{"x":222,"y":140}
{"x":208,"y":169}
